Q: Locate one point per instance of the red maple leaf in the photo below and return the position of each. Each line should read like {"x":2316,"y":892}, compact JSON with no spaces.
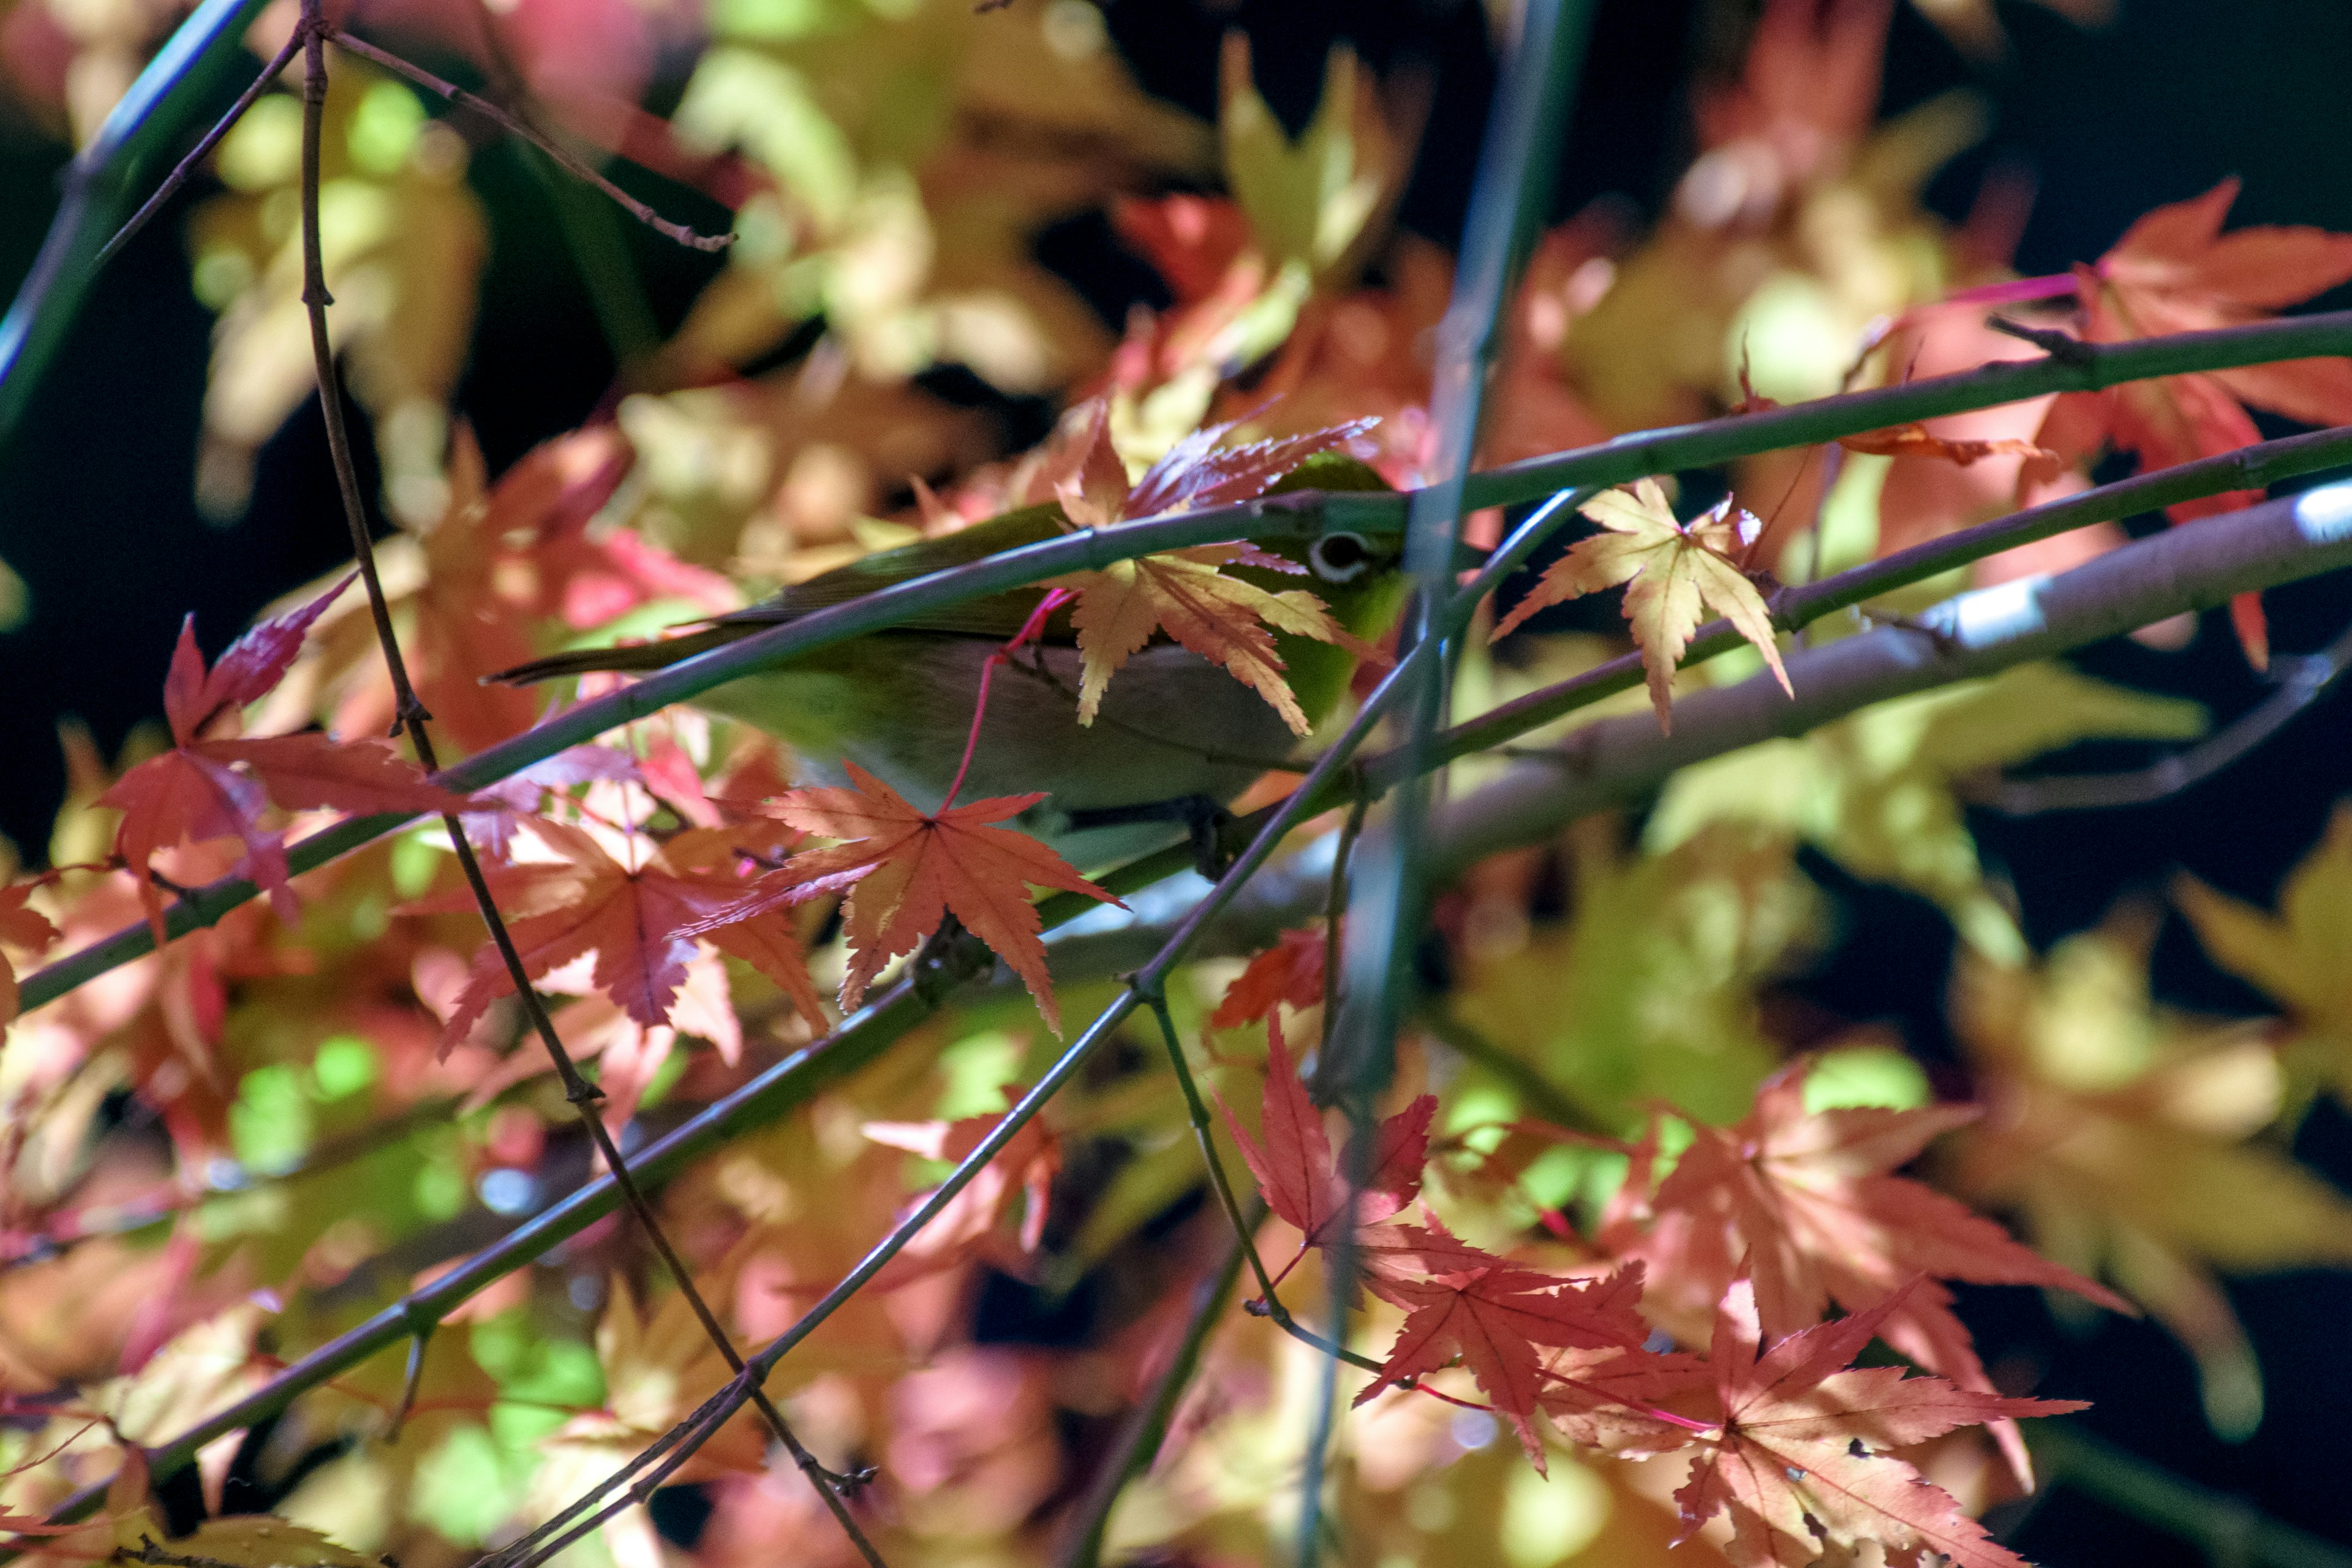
{"x":214,"y":786}
{"x":1024,"y":1168}
{"x":2176,"y":271}
{"x":24,"y":927}
{"x":1807,"y":1205}
{"x":502,"y":558}
{"x":1294,"y":1165}
{"x":905,"y":872}
{"x":1497,"y":1318}
{"x":1799,"y":1461}
{"x":641,"y":921}
{"x":1290,"y":971}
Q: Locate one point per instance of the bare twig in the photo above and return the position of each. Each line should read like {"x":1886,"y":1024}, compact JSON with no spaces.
{"x":410,"y":719}
{"x":516,"y":125}
{"x":2302,"y":681}
{"x":2182,"y":569}
{"x":1545,"y":1098}
{"x":188,"y":166}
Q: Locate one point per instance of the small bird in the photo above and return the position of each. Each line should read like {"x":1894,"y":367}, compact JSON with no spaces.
{"x":1176,"y":737}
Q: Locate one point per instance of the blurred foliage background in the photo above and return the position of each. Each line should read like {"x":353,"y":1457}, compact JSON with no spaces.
{"x":124,"y":505}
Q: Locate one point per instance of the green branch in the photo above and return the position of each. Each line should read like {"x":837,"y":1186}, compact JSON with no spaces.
{"x":2184,"y":569}
{"x":177,"y":84}
{"x":1306,"y":514}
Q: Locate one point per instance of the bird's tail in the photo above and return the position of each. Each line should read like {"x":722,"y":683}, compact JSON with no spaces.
{"x":628,"y":657}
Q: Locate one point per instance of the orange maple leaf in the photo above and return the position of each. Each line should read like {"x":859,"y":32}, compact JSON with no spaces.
{"x":1024,"y":1168}
{"x":21,"y":926}
{"x":2175,"y":271}
{"x":1185,"y":592}
{"x":1807,"y":1205}
{"x":1671,"y":570}
{"x":907,"y":872}
{"x":214,"y":786}
{"x":503,"y":557}
{"x":1290,"y":971}
{"x":1798,"y":1462}
{"x":641,"y":921}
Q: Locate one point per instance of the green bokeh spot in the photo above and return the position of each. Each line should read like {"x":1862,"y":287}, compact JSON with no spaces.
{"x":385,"y":128}
{"x":269,"y":1126}
{"x":344,"y":1065}
{"x":1865,"y":1075}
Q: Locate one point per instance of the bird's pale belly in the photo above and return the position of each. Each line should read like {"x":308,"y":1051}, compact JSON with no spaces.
{"x":900,"y":706}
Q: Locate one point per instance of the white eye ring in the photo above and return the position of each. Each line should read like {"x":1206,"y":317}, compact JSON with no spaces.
{"x":1339,"y":557}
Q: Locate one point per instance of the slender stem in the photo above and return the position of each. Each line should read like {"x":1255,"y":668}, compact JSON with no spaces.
{"x":2302,"y":681}
{"x":188,"y":166}
{"x":515,"y":124}
{"x":1244,"y":1230}
{"x":1511,"y":194}
{"x":2183,"y":569}
{"x":1335,"y":910}
{"x":1542,"y":1095}
{"x":410,"y":719}
{"x":1298,"y":515}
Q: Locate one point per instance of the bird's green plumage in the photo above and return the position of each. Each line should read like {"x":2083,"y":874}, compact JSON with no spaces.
{"x":899,"y":703}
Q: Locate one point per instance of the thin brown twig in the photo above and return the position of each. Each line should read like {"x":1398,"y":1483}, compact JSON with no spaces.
{"x":515,"y":124}
{"x":185,"y":168}
{"x":410,"y":719}
{"x":1335,"y":906}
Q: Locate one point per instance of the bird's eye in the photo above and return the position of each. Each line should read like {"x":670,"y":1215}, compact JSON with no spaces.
{"x":1339,"y":557}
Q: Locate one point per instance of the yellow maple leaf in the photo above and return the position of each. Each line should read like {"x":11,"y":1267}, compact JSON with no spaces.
{"x":2301,"y":957}
{"x":1671,"y":570}
{"x":1223,"y":619}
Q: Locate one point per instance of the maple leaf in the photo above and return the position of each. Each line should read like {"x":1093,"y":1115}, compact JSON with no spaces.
{"x":640,"y":921}
{"x":2301,"y":957}
{"x":1495,"y":1317}
{"x":905,"y":872}
{"x":1290,"y":971}
{"x":1185,"y":592}
{"x":213,"y":785}
{"x":501,"y":559}
{"x":21,"y":926}
{"x":2130,"y":1139}
{"x":1798,"y":1464}
{"x":1025,"y":1168}
{"x":2175,"y":271}
{"x":1294,"y":1165}
{"x":1915,"y":440}
{"x":1672,"y":570}
{"x":1805,"y":1205}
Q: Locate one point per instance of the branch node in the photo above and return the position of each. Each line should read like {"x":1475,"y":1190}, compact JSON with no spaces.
{"x":2064,"y":347}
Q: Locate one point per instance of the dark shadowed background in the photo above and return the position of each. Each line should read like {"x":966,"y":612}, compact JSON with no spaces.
{"x":97,"y":516}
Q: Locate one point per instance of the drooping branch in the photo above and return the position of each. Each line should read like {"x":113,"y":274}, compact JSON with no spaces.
{"x":2185,"y":569}
{"x":2303,"y":680}
{"x":1296,"y":516}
